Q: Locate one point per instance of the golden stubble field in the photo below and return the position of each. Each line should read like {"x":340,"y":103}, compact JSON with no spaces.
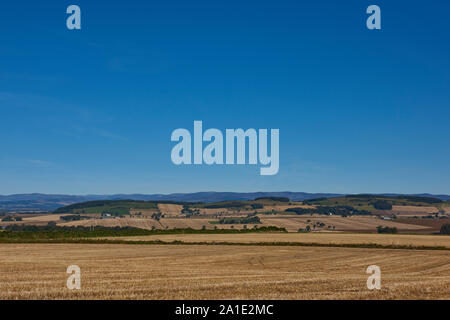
{"x":335,"y":238}
{"x":110,"y":271}
{"x":351,"y":224}
{"x":171,"y":210}
{"x":291,"y":223}
{"x":148,"y":223}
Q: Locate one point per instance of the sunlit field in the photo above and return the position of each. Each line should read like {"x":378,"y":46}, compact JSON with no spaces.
{"x":38,"y":271}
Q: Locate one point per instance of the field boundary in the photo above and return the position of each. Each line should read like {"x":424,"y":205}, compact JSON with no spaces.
{"x":224,"y":243}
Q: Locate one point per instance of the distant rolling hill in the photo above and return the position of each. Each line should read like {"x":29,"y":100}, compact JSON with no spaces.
{"x":50,"y":202}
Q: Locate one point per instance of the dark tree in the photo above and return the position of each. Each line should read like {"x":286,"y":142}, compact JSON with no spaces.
{"x":445,"y":228}
{"x":382,"y":205}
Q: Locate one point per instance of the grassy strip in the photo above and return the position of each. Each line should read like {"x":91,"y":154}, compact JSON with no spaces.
{"x":224,"y":243}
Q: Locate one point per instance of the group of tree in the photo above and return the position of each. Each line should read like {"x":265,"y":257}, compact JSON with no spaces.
{"x":445,"y":228}
{"x":429,"y":200}
{"x":188,"y":211}
{"x":382,"y":205}
{"x":381,"y":229}
{"x":311,"y":201}
{"x":334,"y":210}
{"x":51,"y":231}
{"x":157,"y":216}
{"x":278,"y":199}
{"x":225,"y":204}
{"x":306,"y":229}
{"x":73,"y":217}
{"x":247,"y":220}
{"x":11,"y":219}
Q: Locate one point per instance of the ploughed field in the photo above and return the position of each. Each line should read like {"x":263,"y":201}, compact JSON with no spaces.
{"x":121,"y":271}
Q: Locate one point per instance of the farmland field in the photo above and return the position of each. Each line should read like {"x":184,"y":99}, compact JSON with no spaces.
{"x":356,"y":214}
{"x":38,"y":271}
{"x":312,"y":238}
{"x":413,"y":211}
{"x":147,"y":223}
{"x":365,"y":224}
{"x":291,"y":223}
{"x":276,"y":250}
{"x":39,"y":219}
{"x":352,"y":224}
{"x":170,"y":209}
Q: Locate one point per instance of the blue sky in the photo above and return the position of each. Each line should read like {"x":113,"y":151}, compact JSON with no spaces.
{"x":92,"y":111}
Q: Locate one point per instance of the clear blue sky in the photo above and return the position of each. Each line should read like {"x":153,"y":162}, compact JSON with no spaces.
{"x":91,"y":111}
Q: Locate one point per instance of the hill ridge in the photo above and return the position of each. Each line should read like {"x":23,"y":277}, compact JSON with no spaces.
{"x":49,"y":202}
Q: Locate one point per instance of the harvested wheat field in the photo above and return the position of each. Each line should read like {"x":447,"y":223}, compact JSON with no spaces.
{"x":171,"y":210}
{"x":413,"y":210}
{"x":137,"y":222}
{"x":36,"y":219}
{"x":312,"y":238}
{"x":38,"y":271}
{"x":291,"y":223}
{"x":198,"y":223}
{"x":148,"y":223}
{"x":143,"y":212}
{"x":350,"y":224}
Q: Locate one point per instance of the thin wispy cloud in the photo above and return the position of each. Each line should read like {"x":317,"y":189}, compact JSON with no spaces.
{"x":84,"y":121}
{"x":40,"y":163}
{"x":80,"y":132}
{"x":43,"y":104}
{"x":56,"y":107}
{"x":118,"y":64}
{"x":109,"y":135}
